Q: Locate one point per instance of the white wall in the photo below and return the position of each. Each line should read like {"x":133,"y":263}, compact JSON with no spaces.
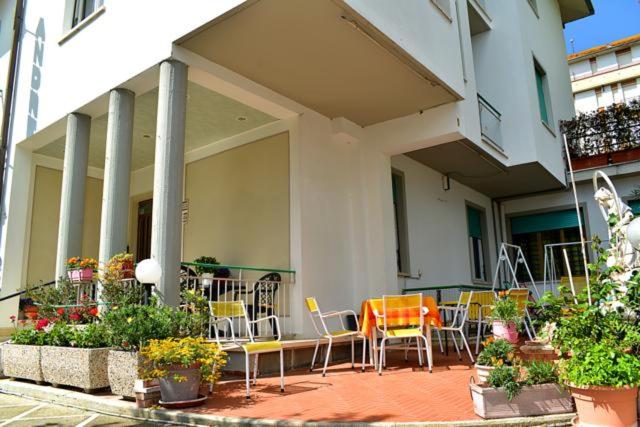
{"x":437,"y":226}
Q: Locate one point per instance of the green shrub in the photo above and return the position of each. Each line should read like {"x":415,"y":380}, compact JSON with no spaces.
{"x":540,"y":372}
{"x":505,"y":310}
{"x":507,"y":378}
{"x":601,"y":365}
{"x":496,"y":353}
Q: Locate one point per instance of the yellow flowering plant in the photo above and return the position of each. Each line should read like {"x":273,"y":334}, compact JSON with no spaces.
{"x":163,"y":356}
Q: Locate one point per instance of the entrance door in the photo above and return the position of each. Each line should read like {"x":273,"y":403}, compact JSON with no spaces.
{"x":143,"y":248}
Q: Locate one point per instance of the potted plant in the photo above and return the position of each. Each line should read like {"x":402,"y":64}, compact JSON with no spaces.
{"x":505,"y":319}
{"x":598,"y":339}
{"x":76,"y":356}
{"x":181,"y":365}
{"x":512,"y":391}
{"x":119,"y":267}
{"x":205,"y":269}
{"x":81,"y":269}
{"x":21,"y":356}
{"x":131,"y":327}
{"x":496,"y":352}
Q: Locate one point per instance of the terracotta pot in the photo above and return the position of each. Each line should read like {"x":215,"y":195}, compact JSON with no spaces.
{"x":508,"y":332}
{"x":483,"y":372}
{"x":606,"y":406}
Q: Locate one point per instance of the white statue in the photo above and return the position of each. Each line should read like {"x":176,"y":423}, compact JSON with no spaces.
{"x":623,"y":252}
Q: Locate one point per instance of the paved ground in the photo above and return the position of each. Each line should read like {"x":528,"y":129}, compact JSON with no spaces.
{"x":403,"y":393}
{"x":17,"y":411}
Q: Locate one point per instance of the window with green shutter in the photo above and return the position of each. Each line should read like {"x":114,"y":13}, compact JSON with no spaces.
{"x":635,"y":206}
{"x":542,"y":99}
{"x":478,"y":251}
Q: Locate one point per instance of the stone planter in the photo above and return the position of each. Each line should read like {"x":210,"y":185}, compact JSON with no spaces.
{"x":85,"y":368}
{"x":22,"y":361}
{"x":606,"y":406}
{"x":483,"y":372}
{"x":124,"y":368}
{"x":543,"y":399}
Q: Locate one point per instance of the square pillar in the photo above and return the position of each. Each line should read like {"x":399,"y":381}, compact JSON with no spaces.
{"x":166,"y":228}
{"x":74,"y":178}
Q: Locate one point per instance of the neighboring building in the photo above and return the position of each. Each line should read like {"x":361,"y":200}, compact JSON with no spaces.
{"x":605,"y":75}
{"x":365,"y":144}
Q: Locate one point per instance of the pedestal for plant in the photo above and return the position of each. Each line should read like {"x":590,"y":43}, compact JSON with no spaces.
{"x":22,"y":361}
{"x":543,"y":399}
{"x":85,"y":368}
{"x":124,"y":368}
{"x":538,"y":351}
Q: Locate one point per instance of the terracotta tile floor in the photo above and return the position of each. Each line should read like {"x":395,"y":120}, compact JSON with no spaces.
{"x":403,"y":393}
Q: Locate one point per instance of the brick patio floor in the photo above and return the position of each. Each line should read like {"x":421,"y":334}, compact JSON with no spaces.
{"x":403,"y":393}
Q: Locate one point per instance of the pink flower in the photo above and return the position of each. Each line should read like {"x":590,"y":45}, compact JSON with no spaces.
{"x":13,"y":318}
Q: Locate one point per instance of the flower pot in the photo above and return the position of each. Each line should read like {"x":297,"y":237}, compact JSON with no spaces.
{"x":483,"y":372}
{"x":85,"y":368}
{"x":123,"y":369}
{"x":542,"y":399}
{"x":508,"y":332}
{"x":588,"y":162}
{"x":22,"y":361}
{"x":606,"y":406}
{"x":80,"y":274}
{"x":533,"y":350}
{"x":181,"y":384}
{"x":207,"y":279}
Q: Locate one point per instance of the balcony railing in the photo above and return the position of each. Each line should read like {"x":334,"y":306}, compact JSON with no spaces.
{"x":265,"y":292}
{"x":489,"y":122}
{"x":606,"y":136}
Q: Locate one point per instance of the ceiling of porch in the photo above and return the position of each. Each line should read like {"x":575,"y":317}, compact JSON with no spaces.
{"x":315,"y":53}
{"x":211,"y":117}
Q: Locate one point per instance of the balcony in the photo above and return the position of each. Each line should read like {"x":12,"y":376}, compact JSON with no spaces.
{"x":489,"y":122}
{"x":604,"y":137}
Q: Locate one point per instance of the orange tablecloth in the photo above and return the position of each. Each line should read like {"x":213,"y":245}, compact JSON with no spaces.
{"x":401,"y":318}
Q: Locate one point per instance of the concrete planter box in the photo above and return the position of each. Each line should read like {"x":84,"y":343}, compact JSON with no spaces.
{"x":85,"y":368}
{"x":124,"y":368}
{"x":543,"y":399}
{"x":22,"y":361}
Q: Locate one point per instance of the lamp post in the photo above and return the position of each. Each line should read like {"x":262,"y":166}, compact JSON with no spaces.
{"x":148,"y":272}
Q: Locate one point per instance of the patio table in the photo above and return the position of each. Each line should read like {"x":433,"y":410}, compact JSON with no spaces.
{"x":398,"y":318}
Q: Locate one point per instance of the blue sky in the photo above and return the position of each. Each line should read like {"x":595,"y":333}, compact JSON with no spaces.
{"x":613,"y":20}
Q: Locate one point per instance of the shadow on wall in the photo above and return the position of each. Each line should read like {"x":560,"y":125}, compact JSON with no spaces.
{"x":36,"y":78}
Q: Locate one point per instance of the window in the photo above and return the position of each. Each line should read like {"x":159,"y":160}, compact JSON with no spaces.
{"x":476,"y":227}
{"x":533,"y":232}
{"x":400,"y":220}
{"x":84,"y":8}
{"x":623,"y":57}
{"x":543,"y":94}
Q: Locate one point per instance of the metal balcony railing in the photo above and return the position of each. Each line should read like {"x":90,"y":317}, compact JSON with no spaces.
{"x":490,"y":122}
{"x":264,"y":291}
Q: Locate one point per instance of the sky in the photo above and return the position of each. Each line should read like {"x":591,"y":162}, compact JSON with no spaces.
{"x":613,"y":20}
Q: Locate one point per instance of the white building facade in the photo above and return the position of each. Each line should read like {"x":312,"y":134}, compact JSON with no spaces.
{"x":368,"y":146}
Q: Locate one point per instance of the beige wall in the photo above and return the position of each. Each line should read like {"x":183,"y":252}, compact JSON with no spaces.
{"x":239,"y":205}
{"x":44,"y":223}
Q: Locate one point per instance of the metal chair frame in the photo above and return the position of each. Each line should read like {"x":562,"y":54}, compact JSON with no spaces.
{"x":460,"y":313}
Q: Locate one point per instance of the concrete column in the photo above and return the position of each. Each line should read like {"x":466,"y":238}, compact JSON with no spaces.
{"x":74,"y":179}
{"x":166,"y":228}
{"x":117,"y":172}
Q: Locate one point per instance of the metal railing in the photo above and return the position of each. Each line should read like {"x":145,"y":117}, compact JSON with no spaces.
{"x":264,"y":291}
{"x":490,"y":122}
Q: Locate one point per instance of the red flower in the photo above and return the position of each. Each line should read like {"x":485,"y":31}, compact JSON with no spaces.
{"x":93,"y":311}
{"x":42,"y":323}
{"x":60,"y":311}
{"x":74,"y":317}
{"x":13,"y":318}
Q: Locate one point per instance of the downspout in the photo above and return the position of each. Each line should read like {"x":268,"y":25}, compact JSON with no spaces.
{"x":8,"y":100}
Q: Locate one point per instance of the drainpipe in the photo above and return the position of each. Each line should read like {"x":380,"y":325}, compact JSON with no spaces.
{"x":8,"y":99}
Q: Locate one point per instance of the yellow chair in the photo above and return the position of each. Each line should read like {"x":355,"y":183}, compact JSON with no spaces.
{"x":318,"y":320}
{"x":226,"y":312}
{"x":579,"y":284}
{"x":521,"y":297}
{"x":479,"y":311}
{"x":402,"y":317}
